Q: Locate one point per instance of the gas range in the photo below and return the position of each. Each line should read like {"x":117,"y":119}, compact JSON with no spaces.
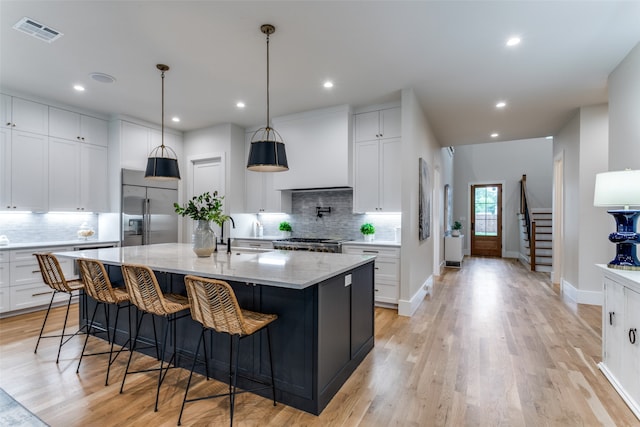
{"x":309,"y":244}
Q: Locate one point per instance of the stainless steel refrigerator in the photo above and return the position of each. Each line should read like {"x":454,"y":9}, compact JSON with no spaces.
{"x":148,"y":215}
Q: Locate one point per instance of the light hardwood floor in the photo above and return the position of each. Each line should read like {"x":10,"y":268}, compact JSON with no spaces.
{"x":493,"y":345}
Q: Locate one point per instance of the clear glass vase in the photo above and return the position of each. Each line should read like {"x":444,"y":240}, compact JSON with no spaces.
{"x":203,"y":239}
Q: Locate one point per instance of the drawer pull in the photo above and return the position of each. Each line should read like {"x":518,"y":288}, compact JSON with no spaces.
{"x":41,"y":293}
{"x":632,"y":335}
{"x":35,"y":271}
{"x":370,"y":252}
{"x":611,"y":315}
{"x":377,"y":290}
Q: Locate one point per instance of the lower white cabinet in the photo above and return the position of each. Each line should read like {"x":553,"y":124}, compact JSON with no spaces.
{"x":250,"y":243}
{"x":5,"y":278}
{"x":453,"y":251}
{"x":26,"y":288}
{"x":621,"y":334}
{"x":387,"y":269}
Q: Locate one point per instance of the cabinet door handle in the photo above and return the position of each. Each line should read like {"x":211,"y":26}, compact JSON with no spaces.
{"x":41,"y":293}
{"x":611,"y":315}
{"x":8,"y":123}
{"x":369,"y":252}
{"x":632,"y":335}
{"x":35,"y":271}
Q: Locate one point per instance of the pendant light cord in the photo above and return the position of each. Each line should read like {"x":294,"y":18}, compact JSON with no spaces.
{"x":268,"y":117}
{"x":162,"y":121}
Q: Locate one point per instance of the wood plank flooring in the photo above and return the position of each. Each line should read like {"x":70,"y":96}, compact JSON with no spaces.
{"x":494,"y":345}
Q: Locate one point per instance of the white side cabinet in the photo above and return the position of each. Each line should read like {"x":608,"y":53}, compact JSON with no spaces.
{"x":377,"y":183}
{"x":453,"y":251}
{"x":621,"y":334}
{"x":386,"y":273}
{"x":385,"y":123}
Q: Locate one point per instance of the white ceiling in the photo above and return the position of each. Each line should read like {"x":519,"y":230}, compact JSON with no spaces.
{"x":452,"y":53}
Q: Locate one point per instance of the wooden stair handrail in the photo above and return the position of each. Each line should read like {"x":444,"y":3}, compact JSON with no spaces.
{"x":530,"y":224}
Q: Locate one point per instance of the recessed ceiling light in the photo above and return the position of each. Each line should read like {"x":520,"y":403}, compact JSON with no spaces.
{"x":513,"y":41}
{"x":494,"y":135}
{"x":328,"y":84}
{"x":240,"y":104}
{"x":102,"y":77}
{"x":79,"y":88}
{"x":175,"y":119}
{"x":501,"y":104}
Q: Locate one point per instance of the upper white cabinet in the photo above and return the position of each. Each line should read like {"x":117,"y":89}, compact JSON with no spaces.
{"x":377,"y":161}
{"x":77,"y":176}
{"x":23,"y":115}
{"x":260,"y":195}
{"x":377,"y":182}
{"x":378,"y":124}
{"x":78,"y":127}
{"x":318,"y":145}
{"x":24,"y":176}
{"x":621,"y":334}
{"x":135,"y":142}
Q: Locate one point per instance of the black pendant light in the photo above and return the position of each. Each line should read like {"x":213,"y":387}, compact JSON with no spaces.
{"x":267,"y":153}
{"x":162,"y":164}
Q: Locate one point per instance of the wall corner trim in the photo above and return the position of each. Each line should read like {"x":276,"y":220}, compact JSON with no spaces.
{"x":408,"y":307}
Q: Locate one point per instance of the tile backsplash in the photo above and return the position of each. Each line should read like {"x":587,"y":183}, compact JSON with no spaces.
{"x":45,"y":227}
{"x":340,"y":223}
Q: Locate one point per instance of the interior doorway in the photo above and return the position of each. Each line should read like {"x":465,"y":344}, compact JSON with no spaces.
{"x":486,"y":220}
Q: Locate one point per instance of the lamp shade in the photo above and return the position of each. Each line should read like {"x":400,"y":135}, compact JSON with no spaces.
{"x":160,"y":166}
{"x":620,"y":188}
{"x":267,"y":156}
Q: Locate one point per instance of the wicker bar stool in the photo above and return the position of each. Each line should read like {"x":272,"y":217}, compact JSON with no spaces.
{"x":98,"y":286}
{"x":214,"y":305}
{"x":54,"y":278}
{"x":145,"y":293}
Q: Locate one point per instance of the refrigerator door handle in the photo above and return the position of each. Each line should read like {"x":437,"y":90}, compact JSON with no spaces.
{"x":146,"y":222}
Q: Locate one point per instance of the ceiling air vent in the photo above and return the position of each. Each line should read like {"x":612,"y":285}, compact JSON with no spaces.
{"x":37,"y":30}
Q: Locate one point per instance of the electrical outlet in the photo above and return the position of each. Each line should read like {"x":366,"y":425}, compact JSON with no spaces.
{"x":347,"y":280}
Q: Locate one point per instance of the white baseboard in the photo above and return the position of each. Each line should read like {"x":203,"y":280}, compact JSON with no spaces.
{"x":581,"y":297}
{"x":511,"y":254}
{"x":407,"y":308}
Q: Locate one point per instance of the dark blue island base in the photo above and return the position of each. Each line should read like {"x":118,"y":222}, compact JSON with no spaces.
{"x":321,"y":335}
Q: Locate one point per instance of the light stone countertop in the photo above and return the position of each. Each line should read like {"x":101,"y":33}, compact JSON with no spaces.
{"x":52,"y":244}
{"x":288,"y":269}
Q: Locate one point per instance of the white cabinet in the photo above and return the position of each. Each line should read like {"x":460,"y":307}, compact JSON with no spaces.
{"x":135,"y":143}
{"x":621,"y":334}
{"x":78,"y":127}
{"x":24,"y":176}
{"x":387,"y":270}
{"x":453,"y":251}
{"x":27,"y":289}
{"x":23,"y":115}
{"x":5,"y":301}
{"x":250,"y":243}
{"x":377,"y":183}
{"x":319,"y":149}
{"x":378,"y":124}
{"x":77,"y":176}
{"x":260,"y":196}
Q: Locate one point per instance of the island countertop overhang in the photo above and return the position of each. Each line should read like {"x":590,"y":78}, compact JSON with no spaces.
{"x":289,"y":269}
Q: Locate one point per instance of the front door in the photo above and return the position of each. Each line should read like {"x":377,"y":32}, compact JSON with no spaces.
{"x":486,"y":220}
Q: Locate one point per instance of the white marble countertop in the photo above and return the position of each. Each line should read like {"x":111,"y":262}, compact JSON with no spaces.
{"x":76,"y":242}
{"x":289,"y":269}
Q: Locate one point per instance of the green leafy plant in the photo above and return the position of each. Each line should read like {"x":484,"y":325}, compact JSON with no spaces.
{"x":285,"y":226}
{"x":205,"y":207}
{"x":367,"y":228}
{"x":457,"y":226}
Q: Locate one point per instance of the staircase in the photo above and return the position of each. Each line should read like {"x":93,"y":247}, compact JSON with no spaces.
{"x":541,"y":229}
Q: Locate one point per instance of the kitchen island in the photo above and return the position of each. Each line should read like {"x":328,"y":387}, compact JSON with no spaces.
{"x":324,"y":303}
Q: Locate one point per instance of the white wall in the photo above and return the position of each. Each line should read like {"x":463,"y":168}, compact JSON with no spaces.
{"x":416,"y":267}
{"x":624,"y":113}
{"x":584,"y":143}
{"x":504,"y":162}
